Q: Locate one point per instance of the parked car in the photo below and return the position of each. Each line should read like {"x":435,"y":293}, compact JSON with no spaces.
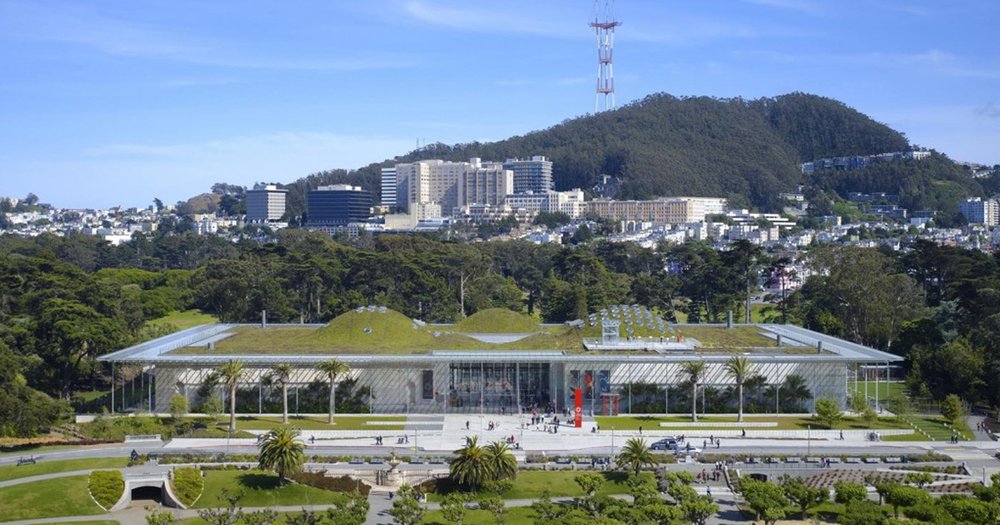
{"x":665,"y":444}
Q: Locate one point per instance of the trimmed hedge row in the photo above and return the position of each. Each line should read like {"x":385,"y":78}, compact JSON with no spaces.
{"x":106,"y":487}
{"x":340,"y":484}
{"x":188,"y":485}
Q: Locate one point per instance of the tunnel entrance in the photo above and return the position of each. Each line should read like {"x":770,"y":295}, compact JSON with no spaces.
{"x":147,"y":495}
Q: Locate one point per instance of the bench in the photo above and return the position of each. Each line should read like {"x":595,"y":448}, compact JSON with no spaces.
{"x":30,"y":460}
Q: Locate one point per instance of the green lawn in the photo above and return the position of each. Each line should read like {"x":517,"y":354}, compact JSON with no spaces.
{"x":885,"y":390}
{"x":532,"y":483}
{"x":716,"y":337}
{"x":514,"y":516}
{"x":27,"y":450}
{"x":783,"y":423}
{"x":185,"y":320}
{"x":260,"y":490}
{"x":498,"y":320}
{"x":307,"y":423}
{"x":49,"y":467}
{"x":935,"y":426}
{"x":48,"y":499}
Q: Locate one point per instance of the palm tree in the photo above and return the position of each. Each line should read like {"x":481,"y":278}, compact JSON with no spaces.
{"x":230,"y":374}
{"x":694,"y":370}
{"x":281,"y":374}
{"x":794,"y":391}
{"x":471,"y":466}
{"x":740,"y":368}
{"x":501,"y":463}
{"x":331,"y":369}
{"x":282,"y":452}
{"x":635,"y":455}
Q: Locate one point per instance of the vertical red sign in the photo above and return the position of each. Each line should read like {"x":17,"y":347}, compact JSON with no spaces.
{"x":578,"y":408}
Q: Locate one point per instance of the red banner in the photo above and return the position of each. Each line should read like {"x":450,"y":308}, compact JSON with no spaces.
{"x":578,"y":408}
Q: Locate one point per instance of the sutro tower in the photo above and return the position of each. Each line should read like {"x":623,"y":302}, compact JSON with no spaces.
{"x":605,"y":32}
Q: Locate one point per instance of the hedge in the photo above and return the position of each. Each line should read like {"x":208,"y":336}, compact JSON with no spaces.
{"x":188,"y":485}
{"x":106,"y":487}
{"x":339,"y":484}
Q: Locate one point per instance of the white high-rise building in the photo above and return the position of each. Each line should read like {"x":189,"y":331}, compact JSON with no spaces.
{"x":429,"y":181}
{"x":484,"y":183}
{"x":388,"y":187}
{"x":265,"y":203}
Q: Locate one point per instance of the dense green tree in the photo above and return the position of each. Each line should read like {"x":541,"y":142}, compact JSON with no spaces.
{"x":828,"y":412}
{"x":802,"y":495}
{"x":406,"y":509}
{"x":767,"y":500}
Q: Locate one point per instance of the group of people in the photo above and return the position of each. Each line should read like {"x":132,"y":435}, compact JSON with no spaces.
{"x":401,"y":440}
{"x":712,"y":440}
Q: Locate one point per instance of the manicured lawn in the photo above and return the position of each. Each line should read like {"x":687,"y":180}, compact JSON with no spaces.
{"x":885,"y":390}
{"x":185,"y":320}
{"x":306,"y":423}
{"x":49,"y":467}
{"x":783,"y":423}
{"x":559,"y":483}
{"x":260,"y":490}
{"x":28,"y":450}
{"x":48,"y":499}
{"x":937,"y":428}
{"x":514,"y":516}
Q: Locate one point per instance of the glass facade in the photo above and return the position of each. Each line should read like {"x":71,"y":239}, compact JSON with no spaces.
{"x":498,"y":387}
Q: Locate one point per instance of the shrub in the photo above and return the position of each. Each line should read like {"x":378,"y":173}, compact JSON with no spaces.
{"x":847,"y":493}
{"x":188,"y":485}
{"x":339,"y":484}
{"x":106,"y":487}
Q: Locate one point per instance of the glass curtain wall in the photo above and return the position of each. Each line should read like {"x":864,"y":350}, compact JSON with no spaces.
{"x":497,"y":388}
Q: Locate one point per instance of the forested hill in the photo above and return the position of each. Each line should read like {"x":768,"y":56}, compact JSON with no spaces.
{"x":747,"y":150}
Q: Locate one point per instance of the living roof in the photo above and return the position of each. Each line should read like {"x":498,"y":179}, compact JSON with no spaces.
{"x":380,"y":333}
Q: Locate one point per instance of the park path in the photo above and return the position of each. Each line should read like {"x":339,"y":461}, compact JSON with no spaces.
{"x":42,"y":477}
{"x":973,"y":422}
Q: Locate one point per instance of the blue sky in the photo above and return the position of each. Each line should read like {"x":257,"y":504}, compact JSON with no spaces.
{"x":117,"y":102}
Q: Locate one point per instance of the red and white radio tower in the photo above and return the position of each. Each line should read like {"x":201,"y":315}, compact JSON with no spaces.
{"x":605,"y":32}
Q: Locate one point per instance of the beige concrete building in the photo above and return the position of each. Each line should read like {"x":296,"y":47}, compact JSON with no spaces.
{"x":665,"y":210}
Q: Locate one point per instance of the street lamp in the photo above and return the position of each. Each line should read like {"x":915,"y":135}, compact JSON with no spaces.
{"x":612,"y":442}
{"x":808,"y":440}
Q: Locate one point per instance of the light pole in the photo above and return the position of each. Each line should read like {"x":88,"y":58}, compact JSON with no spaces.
{"x":808,"y":440}
{"x":777,"y":391}
{"x":612,"y":442}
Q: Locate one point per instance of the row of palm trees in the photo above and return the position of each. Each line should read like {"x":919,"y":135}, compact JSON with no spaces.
{"x":231,"y":373}
{"x":738,"y":367}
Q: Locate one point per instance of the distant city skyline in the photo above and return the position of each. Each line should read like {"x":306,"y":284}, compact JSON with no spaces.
{"x":110,"y":103}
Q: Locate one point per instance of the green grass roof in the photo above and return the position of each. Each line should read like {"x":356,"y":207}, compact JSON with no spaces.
{"x":497,"y":321}
{"x":390,"y":332}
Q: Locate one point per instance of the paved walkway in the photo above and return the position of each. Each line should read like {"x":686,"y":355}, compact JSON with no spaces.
{"x":42,"y":477}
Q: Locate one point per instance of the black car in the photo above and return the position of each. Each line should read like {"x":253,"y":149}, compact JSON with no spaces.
{"x":664,"y":444}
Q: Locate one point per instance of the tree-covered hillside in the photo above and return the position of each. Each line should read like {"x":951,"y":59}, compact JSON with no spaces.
{"x":934,"y":183}
{"x":748,"y":151}
{"x":819,"y":127}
